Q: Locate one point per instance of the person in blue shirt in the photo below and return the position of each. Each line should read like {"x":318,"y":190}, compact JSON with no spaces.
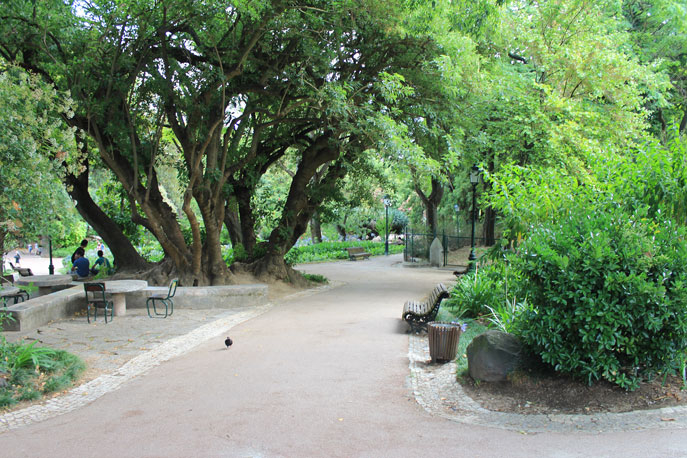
{"x":81,"y":263}
{"x":100,"y":263}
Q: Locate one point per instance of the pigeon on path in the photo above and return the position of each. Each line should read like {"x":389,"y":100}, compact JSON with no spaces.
{"x":228,"y":342}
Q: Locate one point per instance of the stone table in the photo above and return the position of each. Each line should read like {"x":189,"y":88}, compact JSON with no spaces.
{"x":44,"y":283}
{"x":119,"y":288}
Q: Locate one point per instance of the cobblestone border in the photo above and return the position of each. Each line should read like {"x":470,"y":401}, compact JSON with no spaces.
{"x":436,"y":390}
{"x":90,"y":391}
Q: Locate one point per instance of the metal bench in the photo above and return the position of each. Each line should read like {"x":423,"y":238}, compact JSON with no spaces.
{"x":24,"y":272}
{"x":19,"y":296}
{"x":357,"y":252}
{"x":418,"y":314}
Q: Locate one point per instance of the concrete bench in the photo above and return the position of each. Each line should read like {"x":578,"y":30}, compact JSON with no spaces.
{"x":64,"y":304}
{"x":43,"y":309}
{"x":204,"y":297}
{"x":357,"y":252}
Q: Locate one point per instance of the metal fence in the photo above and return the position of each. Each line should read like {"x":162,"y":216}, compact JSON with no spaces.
{"x":417,"y":246}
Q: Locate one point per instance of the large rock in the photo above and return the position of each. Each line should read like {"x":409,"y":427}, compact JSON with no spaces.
{"x":493,"y":355}
{"x":436,"y":253}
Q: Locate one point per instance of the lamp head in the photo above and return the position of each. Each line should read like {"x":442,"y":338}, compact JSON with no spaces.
{"x":474,"y":174}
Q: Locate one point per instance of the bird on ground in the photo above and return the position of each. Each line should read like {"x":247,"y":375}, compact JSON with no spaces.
{"x":228,"y":342}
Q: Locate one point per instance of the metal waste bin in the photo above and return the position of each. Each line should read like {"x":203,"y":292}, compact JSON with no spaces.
{"x":443,"y":340}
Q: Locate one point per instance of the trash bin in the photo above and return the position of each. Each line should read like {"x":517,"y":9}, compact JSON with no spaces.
{"x":443,"y":340}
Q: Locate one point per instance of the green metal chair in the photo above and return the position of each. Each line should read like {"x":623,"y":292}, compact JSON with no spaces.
{"x":21,"y":296}
{"x":165,"y":300}
{"x":95,"y":296}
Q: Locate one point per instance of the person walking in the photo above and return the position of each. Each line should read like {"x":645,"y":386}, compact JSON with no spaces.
{"x":17,"y":257}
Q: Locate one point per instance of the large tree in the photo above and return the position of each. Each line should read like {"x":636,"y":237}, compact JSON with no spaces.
{"x":238,"y":84}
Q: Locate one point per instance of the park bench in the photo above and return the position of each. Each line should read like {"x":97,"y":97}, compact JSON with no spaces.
{"x":357,"y":252}
{"x":418,"y":314}
{"x":24,"y":272}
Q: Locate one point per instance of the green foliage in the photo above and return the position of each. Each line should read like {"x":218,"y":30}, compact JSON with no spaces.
{"x":606,"y":292}
{"x":32,"y":201}
{"x":397,"y":222}
{"x":316,"y":278}
{"x":476,"y":293}
{"x":504,"y":316}
{"x":327,"y":251}
{"x":654,"y":176}
{"x":112,"y":200}
{"x":34,"y":371}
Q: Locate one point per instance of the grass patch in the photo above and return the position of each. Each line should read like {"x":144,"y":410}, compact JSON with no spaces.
{"x":315,"y":278}
{"x":31,"y":371}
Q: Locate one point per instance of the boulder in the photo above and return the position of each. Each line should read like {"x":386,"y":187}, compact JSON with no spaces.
{"x":493,"y":355}
{"x":436,"y":253}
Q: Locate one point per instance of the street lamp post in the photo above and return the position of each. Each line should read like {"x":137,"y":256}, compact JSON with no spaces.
{"x":474,"y":179}
{"x":387,"y":203}
{"x":51,"y":268}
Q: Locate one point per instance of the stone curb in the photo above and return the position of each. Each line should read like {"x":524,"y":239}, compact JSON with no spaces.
{"x":436,"y":390}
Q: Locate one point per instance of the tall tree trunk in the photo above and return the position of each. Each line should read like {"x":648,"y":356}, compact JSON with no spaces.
{"x":305,"y":195}
{"x":315,"y":228}
{"x":232,"y":222}
{"x":246,"y":219}
{"x":488,"y":229}
{"x":125,"y":255}
{"x":431,"y":203}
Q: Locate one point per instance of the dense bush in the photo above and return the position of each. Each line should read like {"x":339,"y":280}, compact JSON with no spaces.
{"x":606,"y":294}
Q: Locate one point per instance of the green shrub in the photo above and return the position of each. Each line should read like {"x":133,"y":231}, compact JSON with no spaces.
{"x":478,"y":292}
{"x":607,"y":294}
{"x":315,"y":278}
{"x":33,"y":371}
{"x":327,"y":251}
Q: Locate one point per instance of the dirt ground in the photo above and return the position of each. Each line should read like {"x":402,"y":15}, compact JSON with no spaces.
{"x":536,"y":393}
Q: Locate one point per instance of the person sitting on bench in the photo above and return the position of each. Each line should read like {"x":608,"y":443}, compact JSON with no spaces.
{"x":101,"y":263}
{"x":81,"y":263}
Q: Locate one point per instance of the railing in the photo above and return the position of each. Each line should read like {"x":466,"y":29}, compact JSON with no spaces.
{"x":417,"y":245}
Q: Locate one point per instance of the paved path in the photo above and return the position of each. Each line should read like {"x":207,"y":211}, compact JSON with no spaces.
{"x":321,"y":374}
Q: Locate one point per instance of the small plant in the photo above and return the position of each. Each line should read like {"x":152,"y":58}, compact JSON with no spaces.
{"x":478,"y":292}
{"x":505,"y":316}
{"x":315,"y":278}
{"x":32,"y":371}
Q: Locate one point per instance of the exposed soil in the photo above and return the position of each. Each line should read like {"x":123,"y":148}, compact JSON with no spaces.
{"x":537,"y":393}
